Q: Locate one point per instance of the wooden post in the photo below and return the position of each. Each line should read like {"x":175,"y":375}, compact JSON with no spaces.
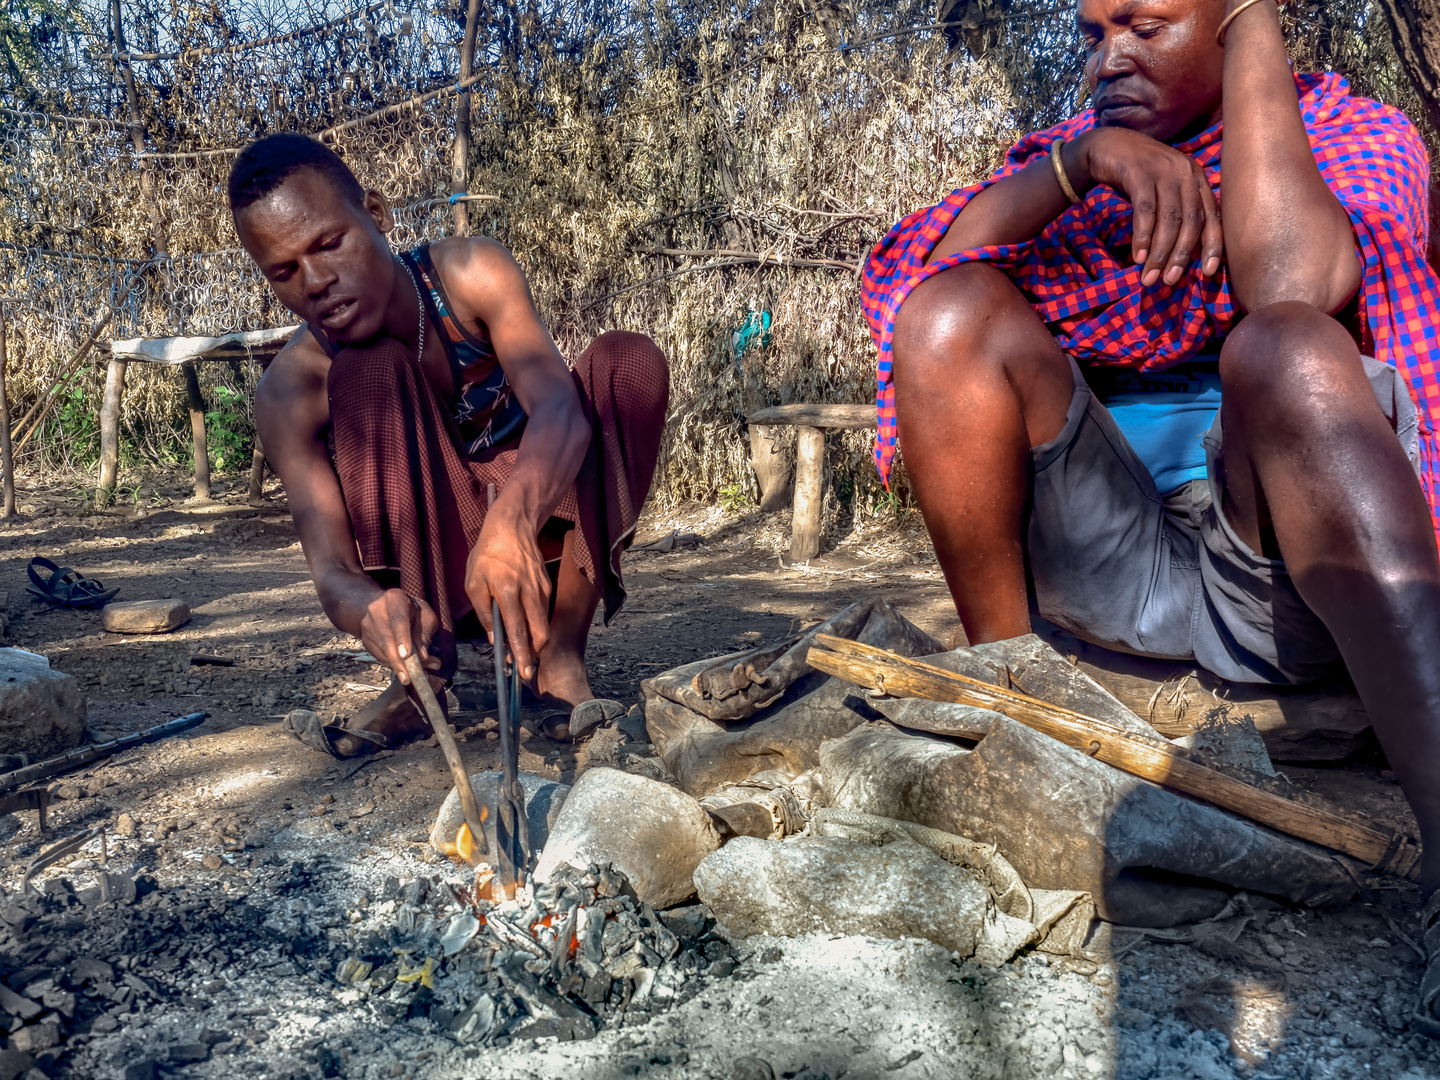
{"x":460,"y":162}
{"x":809,"y":494}
{"x":197,"y":429}
{"x":110,"y":431}
{"x":7,"y":459}
{"x":257,"y":474}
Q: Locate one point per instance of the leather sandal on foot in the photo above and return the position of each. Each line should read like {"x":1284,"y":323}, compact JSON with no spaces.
{"x":318,"y":735}
{"x":1425,"y":1019}
{"x":563,"y":726}
{"x":66,"y":587}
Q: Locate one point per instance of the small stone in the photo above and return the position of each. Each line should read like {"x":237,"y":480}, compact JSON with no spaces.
{"x":125,"y":825}
{"x":327,"y":799}
{"x":212,"y":861}
{"x":144,"y":616}
{"x":105,"y":1024}
{"x":88,"y":969}
{"x":67,"y":791}
{"x":141,"y":1070}
{"x":35,"y":1038}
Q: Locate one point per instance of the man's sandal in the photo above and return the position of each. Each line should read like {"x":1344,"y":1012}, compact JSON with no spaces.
{"x":66,"y":587}
{"x":318,"y":735}
{"x":569,"y":726}
{"x":1425,"y":1020}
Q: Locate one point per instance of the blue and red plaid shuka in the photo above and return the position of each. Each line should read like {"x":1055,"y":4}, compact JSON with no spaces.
{"x":1369,"y":154}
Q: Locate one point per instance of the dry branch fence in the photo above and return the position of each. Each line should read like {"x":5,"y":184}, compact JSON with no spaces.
{"x":669,"y":166}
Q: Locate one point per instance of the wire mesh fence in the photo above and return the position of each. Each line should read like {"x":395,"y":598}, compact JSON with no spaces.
{"x":667,"y":166}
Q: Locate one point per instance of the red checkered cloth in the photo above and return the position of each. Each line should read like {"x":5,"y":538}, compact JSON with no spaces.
{"x":1369,"y":154}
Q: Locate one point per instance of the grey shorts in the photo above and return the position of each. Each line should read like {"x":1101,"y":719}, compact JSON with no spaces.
{"x":1117,"y":564}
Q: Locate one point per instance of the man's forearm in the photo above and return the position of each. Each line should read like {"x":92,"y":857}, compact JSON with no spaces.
{"x":1286,"y":235}
{"x":1013,"y":210}
{"x":345,"y":595}
{"x":548,"y":459}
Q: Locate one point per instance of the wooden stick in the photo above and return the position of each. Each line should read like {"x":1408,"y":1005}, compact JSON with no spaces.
{"x":420,"y":679}
{"x":1150,"y":759}
{"x":65,"y":372}
{"x":110,"y":430}
{"x":7,"y":459}
{"x":197,"y":429}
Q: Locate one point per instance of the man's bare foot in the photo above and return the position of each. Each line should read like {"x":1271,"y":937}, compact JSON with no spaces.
{"x":561,"y":681}
{"x":392,"y":715}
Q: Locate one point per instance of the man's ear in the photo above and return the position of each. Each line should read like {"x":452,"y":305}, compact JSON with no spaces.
{"x":378,"y":208}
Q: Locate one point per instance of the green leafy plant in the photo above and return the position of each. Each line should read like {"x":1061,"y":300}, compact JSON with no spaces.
{"x":735,"y":498}
{"x":227,"y":428}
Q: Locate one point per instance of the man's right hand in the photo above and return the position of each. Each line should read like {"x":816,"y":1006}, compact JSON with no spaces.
{"x":394,"y":626}
{"x":1174,"y":209}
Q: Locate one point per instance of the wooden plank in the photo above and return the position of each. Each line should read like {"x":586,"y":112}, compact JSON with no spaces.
{"x":809,"y":495}
{"x":847,"y":417}
{"x":1151,"y":759}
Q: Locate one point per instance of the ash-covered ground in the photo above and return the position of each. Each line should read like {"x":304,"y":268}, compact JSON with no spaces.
{"x":285,"y":905}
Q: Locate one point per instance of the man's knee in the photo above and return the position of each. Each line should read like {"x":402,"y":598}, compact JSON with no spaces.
{"x":633,"y":364}
{"x":968,"y":320}
{"x":1282,"y":352}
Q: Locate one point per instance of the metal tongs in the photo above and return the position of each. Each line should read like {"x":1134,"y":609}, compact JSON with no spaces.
{"x":512,"y":830}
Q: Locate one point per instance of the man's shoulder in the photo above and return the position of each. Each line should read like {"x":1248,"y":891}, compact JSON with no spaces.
{"x":300,"y":365}
{"x":468,"y":255}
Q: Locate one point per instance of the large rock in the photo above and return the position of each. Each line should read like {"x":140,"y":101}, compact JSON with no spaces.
{"x":42,"y":711}
{"x":649,"y":831}
{"x":144,"y":616}
{"x":831,"y":885}
{"x":543,"y":799}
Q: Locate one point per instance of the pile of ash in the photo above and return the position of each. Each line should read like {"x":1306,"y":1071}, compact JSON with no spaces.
{"x":565,"y":959}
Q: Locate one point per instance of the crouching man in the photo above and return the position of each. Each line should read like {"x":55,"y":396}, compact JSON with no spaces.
{"x":1179,"y":441}
{"x":417,"y":382}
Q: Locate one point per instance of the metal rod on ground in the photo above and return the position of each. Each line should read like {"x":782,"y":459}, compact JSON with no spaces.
{"x":83,"y":755}
{"x":7,"y":459}
{"x":511,"y":828}
{"x":1154,"y":759}
{"x":420,"y":680}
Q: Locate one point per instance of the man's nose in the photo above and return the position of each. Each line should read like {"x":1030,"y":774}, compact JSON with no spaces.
{"x":1112,"y":58}
{"x":316,"y":278}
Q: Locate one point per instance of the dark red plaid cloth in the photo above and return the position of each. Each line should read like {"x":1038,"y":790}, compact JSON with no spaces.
{"x":417,"y":503}
{"x":1370,"y":155}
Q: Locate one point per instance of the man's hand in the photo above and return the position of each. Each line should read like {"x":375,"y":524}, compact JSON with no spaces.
{"x":506,"y":565}
{"x":1174,"y":208}
{"x":394,"y":626}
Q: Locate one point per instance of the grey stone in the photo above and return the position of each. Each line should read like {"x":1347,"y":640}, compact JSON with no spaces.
{"x":543,"y":799}
{"x":144,"y":616}
{"x":18,"y":1004}
{"x":652,"y":833}
{"x":42,"y":711}
{"x":35,"y":1038}
{"x":831,"y":885}
{"x":751,"y":1068}
{"x":189,"y":1053}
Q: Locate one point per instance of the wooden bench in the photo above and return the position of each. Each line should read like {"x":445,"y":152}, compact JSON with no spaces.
{"x":811,"y":422}
{"x":183,"y":352}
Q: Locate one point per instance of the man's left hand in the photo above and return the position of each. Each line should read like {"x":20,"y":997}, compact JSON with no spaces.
{"x":506,"y":565}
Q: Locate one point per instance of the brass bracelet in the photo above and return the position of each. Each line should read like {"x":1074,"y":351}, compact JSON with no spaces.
{"x":1059,"y":167}
{"x":1220,"y":34}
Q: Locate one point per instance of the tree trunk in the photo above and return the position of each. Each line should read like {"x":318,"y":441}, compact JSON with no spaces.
{"x":460,"y":163}
{"x":257,"y":475}
{"x":809,"y":494}
{"x":1415,"y":29}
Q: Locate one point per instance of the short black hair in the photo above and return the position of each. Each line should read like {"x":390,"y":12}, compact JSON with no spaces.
{"x":266,"y":163}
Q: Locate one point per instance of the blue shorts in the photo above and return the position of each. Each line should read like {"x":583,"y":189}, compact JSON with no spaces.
{"x":1116,"y":563}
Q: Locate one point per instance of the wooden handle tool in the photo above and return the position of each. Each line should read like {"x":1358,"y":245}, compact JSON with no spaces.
{"x":420,"y":680}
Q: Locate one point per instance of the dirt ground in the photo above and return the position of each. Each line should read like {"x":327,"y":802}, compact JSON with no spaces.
{"x":260,"y":862}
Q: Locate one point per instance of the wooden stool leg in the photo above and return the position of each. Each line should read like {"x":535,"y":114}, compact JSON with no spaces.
{"x":110,"y":431}
{"x":257,"y":475}
{"x":197,"y":430}
{"x":7,"y":459}
{"x":809,"y":494}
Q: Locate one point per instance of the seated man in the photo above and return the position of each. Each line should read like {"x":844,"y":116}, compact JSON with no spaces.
{"x":418,"y":382}
{"x":1077,"y":334}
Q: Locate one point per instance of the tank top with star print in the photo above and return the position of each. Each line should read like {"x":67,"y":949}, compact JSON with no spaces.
{"x":483,"y":404}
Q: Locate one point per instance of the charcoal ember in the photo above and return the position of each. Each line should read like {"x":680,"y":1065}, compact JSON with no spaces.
{"x":589,"y":930}
{"x":687,"y":923}
{"x":18,"y":1004}
{"x":36,"y":1038}
{"x":390,"y":890}
{"x":480,"y":1022}
{"x":414,"y":892}
{"x":597,"y":988}
{"x":188,"y":1053}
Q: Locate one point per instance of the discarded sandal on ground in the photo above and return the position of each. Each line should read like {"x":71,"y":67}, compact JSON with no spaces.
{"x":66,"y":587}
{"x":318,"y":735}
{"x":562,"y":726}
{"x":1425,"y":1020}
